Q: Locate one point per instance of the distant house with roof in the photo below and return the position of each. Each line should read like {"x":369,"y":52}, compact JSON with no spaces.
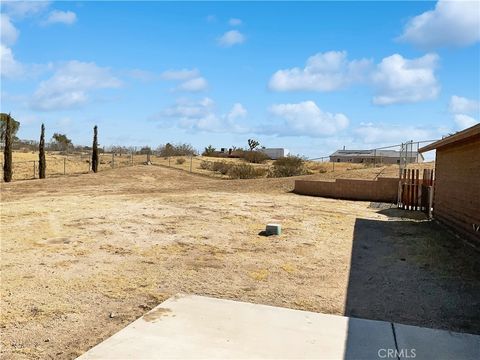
{"x":374,"y":156}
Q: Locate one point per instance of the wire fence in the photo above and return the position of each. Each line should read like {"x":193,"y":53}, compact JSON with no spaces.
{"x":58,"y":164}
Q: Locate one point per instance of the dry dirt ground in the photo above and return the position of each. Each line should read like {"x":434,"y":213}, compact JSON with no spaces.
{"x":83,"y":256}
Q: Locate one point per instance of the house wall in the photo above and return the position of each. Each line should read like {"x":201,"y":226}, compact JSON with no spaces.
{"x":457,"y":187}
{"x":382,"y":190}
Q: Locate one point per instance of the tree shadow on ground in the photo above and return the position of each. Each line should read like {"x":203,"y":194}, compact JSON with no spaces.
{"x":413,"y":272}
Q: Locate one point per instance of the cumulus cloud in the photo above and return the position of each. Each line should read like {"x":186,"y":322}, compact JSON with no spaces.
{"x":304,"y":119}
{"x":9,"y":33}
{"x":394,"y":134}
{"x":61,"y":17}
{"x":20,"y":9}
{"x":71,"y":85}
{"x":464,"y":121}
{"x":401,"y":80}
{"x":230,"y":38}
{"x":396,"y":79}
{"x":451,"y":23}
{"x":460,"y":104}
{"x":201,"y":115}
{"x":192,"y":80}
{"x":234,"y":22}
{"x":460,"y":107}
{"x":10,"y":67}
{"x":323,"y":72}
{"x":193,"y":85}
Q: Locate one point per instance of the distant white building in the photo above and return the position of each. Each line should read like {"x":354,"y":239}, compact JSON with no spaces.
{"x":275,"y":153}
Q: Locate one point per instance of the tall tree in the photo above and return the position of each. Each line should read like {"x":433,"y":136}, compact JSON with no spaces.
{"x":7,"y":150}
{"x":95,"y":150}
{"x":62,"y":141}
{"x":42,"y":164}
{"x":14,"y":126}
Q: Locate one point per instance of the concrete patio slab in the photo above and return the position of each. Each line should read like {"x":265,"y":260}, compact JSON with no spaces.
{"x":436,"y":344}
{"x":192,"y":327}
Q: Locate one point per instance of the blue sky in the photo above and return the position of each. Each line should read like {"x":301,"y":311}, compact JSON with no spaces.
{"x":309,"y":76}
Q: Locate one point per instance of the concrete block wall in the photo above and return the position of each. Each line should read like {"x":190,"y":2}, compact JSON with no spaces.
{"x":381,"y":190}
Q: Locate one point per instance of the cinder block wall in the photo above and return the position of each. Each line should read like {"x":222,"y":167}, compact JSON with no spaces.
{"x":382,"y":190}
{"x":456,"y":199}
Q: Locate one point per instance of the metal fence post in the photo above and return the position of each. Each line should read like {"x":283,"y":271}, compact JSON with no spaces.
{"x":113,"y":160}
{"x":34,"y":169}
{"x":191,"y":161}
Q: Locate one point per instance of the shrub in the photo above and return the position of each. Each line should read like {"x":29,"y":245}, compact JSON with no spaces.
{"x":255,"y":157}
{"x":175,"y":150}
{"x":245,"y":171}
{"x":180,"y":161}
{"x":288,"y":166}
{"x":221,"y":166}
{"x":206,"y":165}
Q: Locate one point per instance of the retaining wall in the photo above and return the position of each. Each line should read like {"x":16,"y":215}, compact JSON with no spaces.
{"x":381,"y":190}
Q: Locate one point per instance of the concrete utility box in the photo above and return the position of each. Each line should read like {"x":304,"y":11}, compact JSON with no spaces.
{"x":273,"y":229}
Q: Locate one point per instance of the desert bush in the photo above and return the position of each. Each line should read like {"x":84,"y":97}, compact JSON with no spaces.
{"x":206,"y":165}
{"x":245,"y":171}
{"x":255,"y":157}
{"x":180,"y":161}
{"x":221,"y":166}
{"x":288,"y":166}
{"x":175,"y":150}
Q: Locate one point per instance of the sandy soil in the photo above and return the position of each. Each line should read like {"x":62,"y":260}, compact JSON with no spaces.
{"x":82,"y":256}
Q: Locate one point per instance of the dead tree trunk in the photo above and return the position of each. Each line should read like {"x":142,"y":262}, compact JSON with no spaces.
{"x":7,"y":151}
{"x":42,"y":164}
{"x":95,"y":151}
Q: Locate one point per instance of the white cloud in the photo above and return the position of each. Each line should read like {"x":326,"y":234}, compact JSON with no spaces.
{"x":323,"y":72}
{"x":396,"y":79}
{"x":182,"y":74}
{"x":451,"y":23}
{"x":234,"y":22}
{"x":237,"y":111}
{"x":10,"y":68}
{"x":305,"y":119}
{"x":71,"y":84}
{"x":22,"y":9}
{"x":231,"y":38}
{"x":61,"y":17}
{"x":9,"y":33}
{"x":464,"y":121}
{"x":460,"y":104}
{"x":202,"y":116}
{"x":193,"y":85}
{"x":400,"y":80}
{"x":394,"y":134}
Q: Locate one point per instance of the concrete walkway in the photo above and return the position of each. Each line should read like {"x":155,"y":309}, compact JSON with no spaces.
{"x":192,"y":327}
